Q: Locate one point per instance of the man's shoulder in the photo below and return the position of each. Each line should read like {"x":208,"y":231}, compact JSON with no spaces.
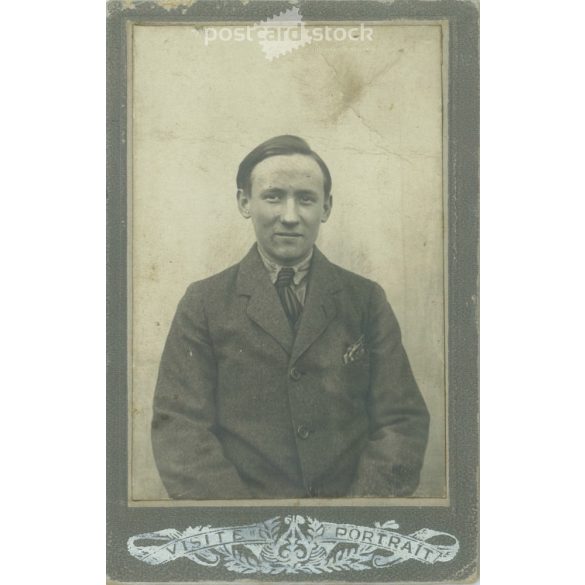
{"x":351,"y":277}
{"x":364,"y":294}
{"x":358,"y":283}
{"x":214,"y":284}
{"x":208,"y":296}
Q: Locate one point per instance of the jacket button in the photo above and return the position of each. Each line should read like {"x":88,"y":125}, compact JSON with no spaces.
{"x":311,"y":491}
{"x":303,"y":432}
{"x":295,"y":374}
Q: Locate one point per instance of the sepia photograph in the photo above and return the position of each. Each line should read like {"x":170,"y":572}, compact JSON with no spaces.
{"x":288,"y":289}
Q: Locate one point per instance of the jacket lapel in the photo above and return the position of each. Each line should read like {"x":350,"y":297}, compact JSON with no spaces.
{"x":320,"y":308}
{"x":264,"y":307}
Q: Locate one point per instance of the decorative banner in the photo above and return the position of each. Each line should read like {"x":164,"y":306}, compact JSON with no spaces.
{"x":295,"y":544}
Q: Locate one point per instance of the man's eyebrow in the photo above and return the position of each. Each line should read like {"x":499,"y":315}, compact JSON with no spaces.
{"x":305,"y":192}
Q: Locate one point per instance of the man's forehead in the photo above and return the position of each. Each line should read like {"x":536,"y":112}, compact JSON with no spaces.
{"x":299,"y":168}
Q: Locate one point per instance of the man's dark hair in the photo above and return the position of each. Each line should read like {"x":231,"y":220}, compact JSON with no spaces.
{"x":277,"y":146}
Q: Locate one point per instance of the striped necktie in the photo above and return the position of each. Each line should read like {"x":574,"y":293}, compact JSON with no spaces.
{"x":288,"y":298}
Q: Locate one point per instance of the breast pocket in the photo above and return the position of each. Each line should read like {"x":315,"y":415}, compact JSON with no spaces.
{"x":356,"y":376}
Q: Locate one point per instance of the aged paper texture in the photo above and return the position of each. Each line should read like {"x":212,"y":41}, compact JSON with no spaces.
{"x":372,"y":109}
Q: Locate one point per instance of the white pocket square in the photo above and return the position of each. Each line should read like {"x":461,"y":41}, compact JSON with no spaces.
{"x":355,"y":351}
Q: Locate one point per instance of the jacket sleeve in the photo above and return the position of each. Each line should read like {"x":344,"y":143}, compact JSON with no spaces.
{"x":399,"y":421}
{"x":188,"y":455}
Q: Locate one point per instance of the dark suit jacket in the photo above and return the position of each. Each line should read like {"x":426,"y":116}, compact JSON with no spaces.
{"x":245,"y":409}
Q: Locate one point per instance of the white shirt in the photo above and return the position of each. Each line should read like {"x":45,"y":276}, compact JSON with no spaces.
{"x":300,"y":278}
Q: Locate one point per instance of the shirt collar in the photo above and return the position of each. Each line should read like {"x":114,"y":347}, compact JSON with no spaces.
{"x":301,"y":268}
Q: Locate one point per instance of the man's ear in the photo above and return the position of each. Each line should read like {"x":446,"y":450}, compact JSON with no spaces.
{"x":243,"y":203}
{"x":327,"y":205}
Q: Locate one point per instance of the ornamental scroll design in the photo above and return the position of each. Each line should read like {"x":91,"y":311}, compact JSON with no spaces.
{"x":295,"y":544}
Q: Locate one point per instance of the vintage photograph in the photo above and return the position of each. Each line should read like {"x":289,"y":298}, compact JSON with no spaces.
{"x":287,"y":306}
{"x":293,"y":291}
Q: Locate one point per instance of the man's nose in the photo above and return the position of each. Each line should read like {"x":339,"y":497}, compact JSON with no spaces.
{"x":290,"y":213}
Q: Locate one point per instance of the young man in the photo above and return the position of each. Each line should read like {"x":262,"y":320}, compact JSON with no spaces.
{"x":284,"y":376}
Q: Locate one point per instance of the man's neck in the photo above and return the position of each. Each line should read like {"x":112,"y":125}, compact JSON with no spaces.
{"x":271,"y":262}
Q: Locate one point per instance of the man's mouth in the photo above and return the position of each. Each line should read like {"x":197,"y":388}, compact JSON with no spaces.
{"x":288,"y":235}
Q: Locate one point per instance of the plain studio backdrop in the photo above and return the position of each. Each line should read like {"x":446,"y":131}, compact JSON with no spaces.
{"x":372,"y":109}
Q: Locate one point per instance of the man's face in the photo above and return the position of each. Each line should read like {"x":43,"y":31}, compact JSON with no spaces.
{"x":287,"y":205}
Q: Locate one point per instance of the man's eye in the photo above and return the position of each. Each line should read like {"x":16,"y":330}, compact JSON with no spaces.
{"x":271,"y":197}
{"x":306,"y":199}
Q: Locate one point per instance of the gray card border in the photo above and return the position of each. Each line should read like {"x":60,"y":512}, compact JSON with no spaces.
{"x":461,"y":517}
